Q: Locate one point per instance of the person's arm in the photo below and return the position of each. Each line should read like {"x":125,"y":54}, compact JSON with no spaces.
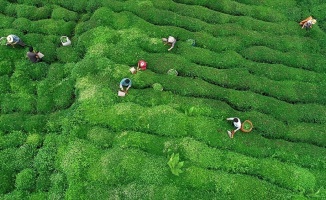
{"x":128,"y":88}
{"x":121,"y":87}
{"x":237,"y":129}
{"x":172,"y":45}
{"x":231,"y":118}
{"x":138,"y":68}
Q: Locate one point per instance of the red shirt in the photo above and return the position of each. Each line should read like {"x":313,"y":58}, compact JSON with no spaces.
{"x":142,"y":65}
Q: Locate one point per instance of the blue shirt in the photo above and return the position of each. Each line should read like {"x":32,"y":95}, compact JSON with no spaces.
{"x":15,"y":38}
{"x":124,"y":83}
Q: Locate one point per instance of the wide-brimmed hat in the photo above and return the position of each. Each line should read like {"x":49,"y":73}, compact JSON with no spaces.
{"x":313,"y":21}
{"x":10,"y":38}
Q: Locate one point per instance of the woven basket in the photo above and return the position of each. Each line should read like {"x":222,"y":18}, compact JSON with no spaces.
{"x":246,"y":130}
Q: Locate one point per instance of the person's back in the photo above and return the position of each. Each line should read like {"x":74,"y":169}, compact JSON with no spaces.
{"x":170,"y":40}
{"x":32,"y":55}
{"x":14,"y":39}
{"x":125,"y":82}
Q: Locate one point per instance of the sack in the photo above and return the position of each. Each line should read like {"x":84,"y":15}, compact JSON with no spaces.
{"x":40,"y":55}
{"x":121,"y":93}
{"x":133,"y":70}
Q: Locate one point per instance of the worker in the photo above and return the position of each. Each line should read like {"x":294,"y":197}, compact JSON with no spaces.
{"x":237,"y":124}
{"x":170,"y":41}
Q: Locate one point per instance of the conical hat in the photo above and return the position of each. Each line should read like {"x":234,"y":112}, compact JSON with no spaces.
{"x":10,"y":38}
{"x":313,"y":21}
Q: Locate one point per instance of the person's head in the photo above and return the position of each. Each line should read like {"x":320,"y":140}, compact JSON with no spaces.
{"x":127,"y":81}
{"x":164,"y":39}
{"x":235,"y":119}
{"x":313,"y":21}
{"x":31,"y":49}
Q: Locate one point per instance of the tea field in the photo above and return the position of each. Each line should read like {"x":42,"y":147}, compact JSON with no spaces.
{"x":66,"y":134}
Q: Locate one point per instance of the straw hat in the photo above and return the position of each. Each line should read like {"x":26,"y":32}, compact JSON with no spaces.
{"x":10,"y":39}
{"x":313,"y":21}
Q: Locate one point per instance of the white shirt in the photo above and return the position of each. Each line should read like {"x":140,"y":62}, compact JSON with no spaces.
{"x":236,"y":124}
{"x":171,"y":39}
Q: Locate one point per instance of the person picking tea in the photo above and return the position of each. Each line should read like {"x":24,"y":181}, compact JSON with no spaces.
{"x":237,"y":125}
{"x":33,"y":56}
{"x":170,"y":41}
{"x":307,"y":23}
{"x":125,"y":84}
{"x":142,"y":65}
{"x":13,"y":40}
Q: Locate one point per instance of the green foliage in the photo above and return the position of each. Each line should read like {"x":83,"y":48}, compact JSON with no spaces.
{"x":67,"y":55}
{"x":51,"y":26}
{"x":175,"y":165}
{"x":34,"y":140}
{"x":65,"y":134}
{"x":101,"y":137}
{"x":25,"y":180}
{"x":5,"y":67}
{"x":24,"y":157}
{"x":13,"y":139}
{"x":32,"y":12}
{"x":58,"y":185}
{"x":60,"y":13}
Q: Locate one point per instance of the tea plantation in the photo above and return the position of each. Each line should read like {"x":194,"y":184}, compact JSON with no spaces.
{"x":66,"y":134}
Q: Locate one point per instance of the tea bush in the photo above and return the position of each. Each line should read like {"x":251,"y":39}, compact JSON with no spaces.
{"x":24,"y":157}
{"x":4,"y":84}
{"x":230,"y":185}
{"x":213,"y":158}
{"x":67,"y":55}
{"x":45,"y":159}
{"x":25,"y":180}
{"x":58,"y":185}
{"x":32,"y":12}
{"x":13,"y":139}
{"x":50,"y":27}
{"x":60,"y":13}
{"x":11,"y":122}
{"x":6,"y":21}
{"x":101,"y":137}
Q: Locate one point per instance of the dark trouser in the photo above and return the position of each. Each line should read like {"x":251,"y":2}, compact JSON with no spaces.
{"x":21,"y":43}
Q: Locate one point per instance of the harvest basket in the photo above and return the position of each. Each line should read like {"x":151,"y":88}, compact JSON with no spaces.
{"x":65,"y":41}
{"x":172,"y":72}
{"x":157,"y":87}
{"x":246,"y":126}
{"x":121,"y":93}
{"x":133,"y":70}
